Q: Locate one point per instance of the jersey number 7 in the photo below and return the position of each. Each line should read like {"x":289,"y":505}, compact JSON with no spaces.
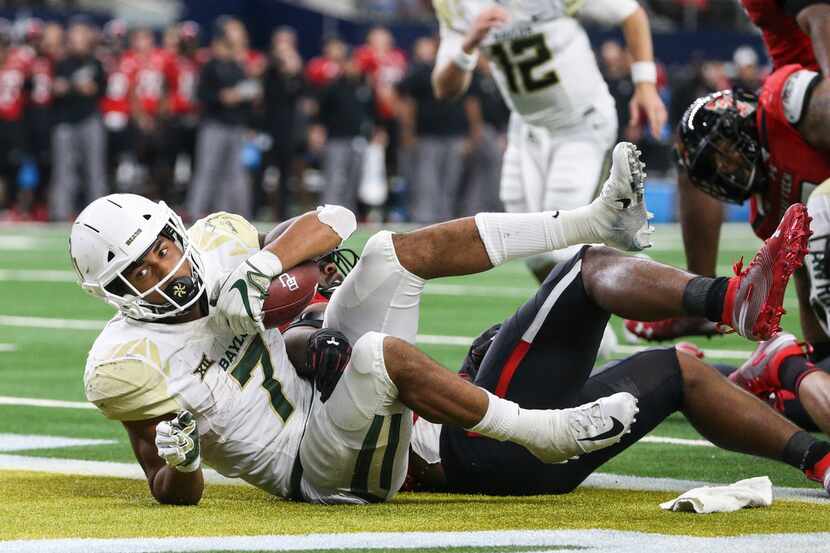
{"x":522,"y":70}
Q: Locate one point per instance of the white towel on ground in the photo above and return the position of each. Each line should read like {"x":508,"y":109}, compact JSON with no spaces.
{"x":752,"y":492}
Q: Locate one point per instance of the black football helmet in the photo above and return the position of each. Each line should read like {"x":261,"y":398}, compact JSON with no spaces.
{"x":719,"y":148}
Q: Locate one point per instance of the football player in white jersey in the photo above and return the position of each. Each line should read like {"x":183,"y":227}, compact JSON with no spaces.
{"x":188,"y":368}
{"x":563,"y":121}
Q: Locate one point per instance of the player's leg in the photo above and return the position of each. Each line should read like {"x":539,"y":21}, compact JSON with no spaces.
{"x":750,"y":302}
{"x":664,"y":382}
{"x":701,"y":217}
{"x":472,"y":245}
{"x":355,"y":447}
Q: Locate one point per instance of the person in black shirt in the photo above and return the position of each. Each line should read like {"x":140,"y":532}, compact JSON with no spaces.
{"x":346,"y":108}
{"x":437,"y":130}
{"x":283,"y":87}
{"x":78,"y":138}
{"x":488,"y":116}
{"x":225,"y":95}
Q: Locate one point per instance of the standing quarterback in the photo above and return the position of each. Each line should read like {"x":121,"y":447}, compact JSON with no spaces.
{"x":563,"y":123}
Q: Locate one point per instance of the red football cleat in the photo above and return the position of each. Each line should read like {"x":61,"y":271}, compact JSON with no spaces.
{"x":754,"y":297}
{"x":759,"y":374}
{"x":820,"y":473}
{"x":669,"y":329}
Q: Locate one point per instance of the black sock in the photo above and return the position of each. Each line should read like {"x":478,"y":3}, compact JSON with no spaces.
{"x":790,"y":370}
{"x":803,"y":451}
{"x":704,"y":297}
{"x":821,"y":351}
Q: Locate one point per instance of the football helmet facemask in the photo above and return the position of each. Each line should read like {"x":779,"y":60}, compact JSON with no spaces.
{"x":718,"y":146}
{"x":115,"y":231}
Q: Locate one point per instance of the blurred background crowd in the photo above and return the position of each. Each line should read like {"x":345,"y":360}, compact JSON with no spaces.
{"x":207,"y":117}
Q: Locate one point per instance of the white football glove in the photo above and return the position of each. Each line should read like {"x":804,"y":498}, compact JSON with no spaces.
{"x":177,"y":442}
{"x":237,"y":300}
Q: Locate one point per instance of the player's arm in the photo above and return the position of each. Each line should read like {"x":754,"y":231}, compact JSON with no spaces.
{"x":807,"y":106}
{"x":813,"y":16}
{"x":169,"y":485}
{"x":458,"y":52}
{"x":239,"y":297}
{"x":633,"y":20}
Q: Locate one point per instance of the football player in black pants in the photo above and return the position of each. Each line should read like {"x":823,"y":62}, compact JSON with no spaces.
{"x":542,"y":357}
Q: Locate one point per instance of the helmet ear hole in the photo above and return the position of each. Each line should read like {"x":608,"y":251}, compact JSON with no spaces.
{"x":147,"y":216}
{"x":110,"y":256}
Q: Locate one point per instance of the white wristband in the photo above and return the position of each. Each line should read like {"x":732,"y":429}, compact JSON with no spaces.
{"x":643,"y":72}
{"x":465,"y":61}
{"x":341,"y":220}
{"x":267,"y":263}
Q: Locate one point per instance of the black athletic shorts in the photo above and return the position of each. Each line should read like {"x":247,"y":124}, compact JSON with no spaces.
{"x":541,"y":358}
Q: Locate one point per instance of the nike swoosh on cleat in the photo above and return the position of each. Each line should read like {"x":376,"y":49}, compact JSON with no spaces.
{"x":615,"y":429}
{"x":625,"y":202}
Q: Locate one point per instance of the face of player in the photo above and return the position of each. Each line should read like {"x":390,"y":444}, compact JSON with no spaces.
{"x":156,"y":264}
{"x":330,"y":275}
{"x":80,"y":39}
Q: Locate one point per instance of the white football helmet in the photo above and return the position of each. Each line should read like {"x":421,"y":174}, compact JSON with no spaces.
{"x":112,"y":233}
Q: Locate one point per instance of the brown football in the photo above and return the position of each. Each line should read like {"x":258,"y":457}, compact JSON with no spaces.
{"x":290,"y":293}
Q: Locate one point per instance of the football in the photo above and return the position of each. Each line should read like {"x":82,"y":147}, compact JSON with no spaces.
{"x":290,"y":293}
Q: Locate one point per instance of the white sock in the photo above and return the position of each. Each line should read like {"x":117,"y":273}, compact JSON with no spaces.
{"x":506,"y":421}
{"x":508,"y":236}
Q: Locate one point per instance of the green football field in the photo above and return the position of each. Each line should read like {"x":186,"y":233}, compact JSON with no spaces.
{"x":47,"y":325}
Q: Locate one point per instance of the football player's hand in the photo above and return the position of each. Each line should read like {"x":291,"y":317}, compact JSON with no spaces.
{"x":177,"y":442}
{"x":328,"y":354}
{"x":648,"y":101}
{"x":488,"y":19}
{"x":237,"y":300}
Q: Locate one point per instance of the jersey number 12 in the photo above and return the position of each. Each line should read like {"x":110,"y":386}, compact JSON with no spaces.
{"x":522,"y":70}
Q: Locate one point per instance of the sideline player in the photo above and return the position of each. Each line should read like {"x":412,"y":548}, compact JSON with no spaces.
{"x":542,"y":356}
{"x":190,"y":376}
{"x":564,"y":121}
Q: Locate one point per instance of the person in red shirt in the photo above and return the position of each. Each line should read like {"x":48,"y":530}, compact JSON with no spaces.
{"x":324,"y":70}
{"x":180,"y":107}
{"x":385,"y":67}
{"x":115,"y":105}
{"x":48,"y":50}
{"x":13,"y":84}
{"x":144,"y":65}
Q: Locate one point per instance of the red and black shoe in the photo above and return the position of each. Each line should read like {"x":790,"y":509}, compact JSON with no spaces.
{"x":669,"y":329}
{"x":820,"y":472}
{"x":755,"y":295}
{"x":759,"y":375}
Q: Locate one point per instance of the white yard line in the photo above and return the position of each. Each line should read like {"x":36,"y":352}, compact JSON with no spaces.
{"x":36,"y":402}
{"x":596,"y":541}
{"x":36,"y":275}
{"x":6,"y":348}
{"x":45,"y":322}
{"x":423,"y":339}
{"x":676,"y":441}
{"x":24,"y":442}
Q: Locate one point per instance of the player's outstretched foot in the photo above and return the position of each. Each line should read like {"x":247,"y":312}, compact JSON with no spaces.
{"x":759,"y":374}
{"x":669,"y":329}
{"x":620,"y":212}
{"x":754,"y":298}
{"x":588,"y":427}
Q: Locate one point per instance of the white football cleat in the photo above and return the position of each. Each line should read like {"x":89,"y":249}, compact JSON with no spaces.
{"x":619,"y":213}
{"x":588,"y":427}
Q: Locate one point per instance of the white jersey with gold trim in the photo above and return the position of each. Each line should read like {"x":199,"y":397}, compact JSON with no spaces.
{"x":248,"y":401}
{"x":542,"y":59}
